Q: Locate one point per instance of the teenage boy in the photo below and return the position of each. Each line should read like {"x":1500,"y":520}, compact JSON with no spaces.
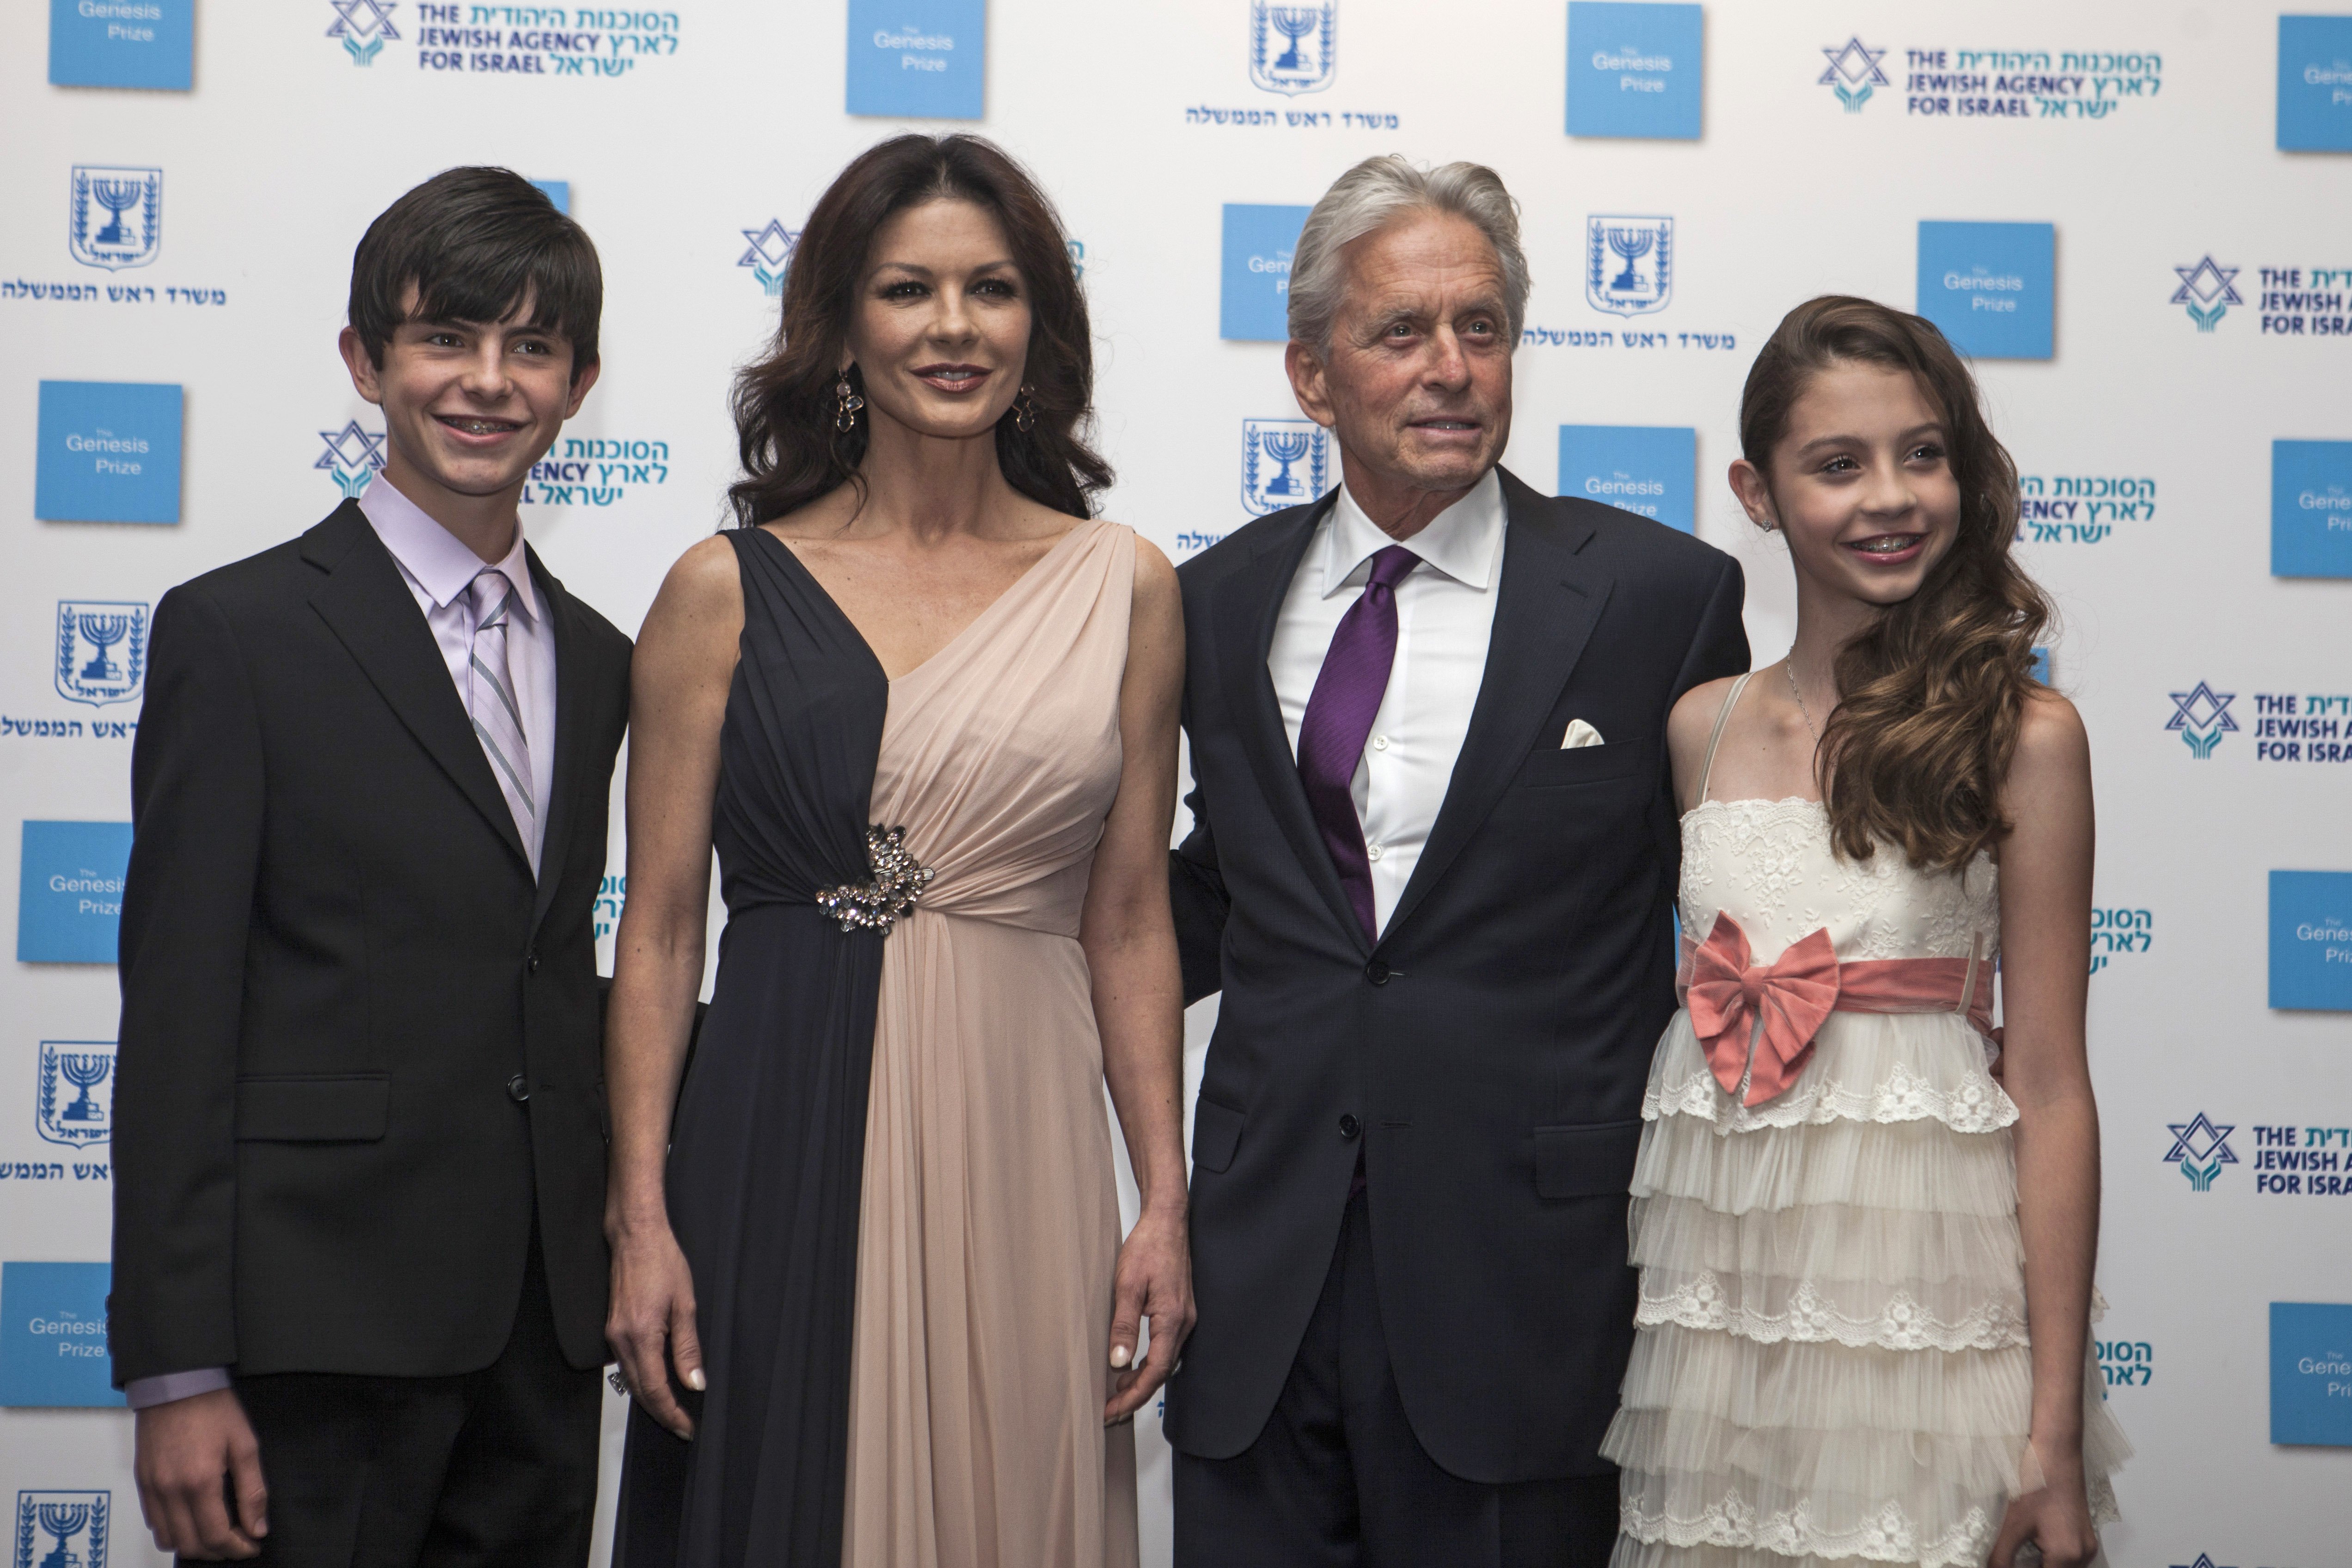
{"x":359,"y":1264}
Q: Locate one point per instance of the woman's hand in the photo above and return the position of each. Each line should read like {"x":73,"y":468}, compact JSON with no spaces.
{"x":1154,"y":1281}
{"x":2056,"y":1521}
{"x":650,"y":1325}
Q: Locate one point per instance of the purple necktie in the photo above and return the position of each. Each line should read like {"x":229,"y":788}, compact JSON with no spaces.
{"x":1347,"y":695}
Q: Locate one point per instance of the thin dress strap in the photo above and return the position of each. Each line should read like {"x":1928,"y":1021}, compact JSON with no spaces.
{"x":1707,"y":768}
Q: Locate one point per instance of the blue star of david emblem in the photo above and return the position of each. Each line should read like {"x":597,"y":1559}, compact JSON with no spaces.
{"x":350,"y":447}
{"x":1853,"y":61}
{"x":2202,"y":708}
{"x":2202,"y":1562}
{"x":362,"y":18}
{"x":771,"y":247}
{"x":2205,"y":282}
{"x":2199,"y":1139}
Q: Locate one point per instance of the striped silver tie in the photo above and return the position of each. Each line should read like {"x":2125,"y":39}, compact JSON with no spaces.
{"x":490,"y":697}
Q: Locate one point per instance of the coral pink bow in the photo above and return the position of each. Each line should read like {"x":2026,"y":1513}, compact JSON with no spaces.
{"x":1792,"y":996}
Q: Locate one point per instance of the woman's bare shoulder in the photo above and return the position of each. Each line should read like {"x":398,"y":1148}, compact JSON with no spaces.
{"x":1693,"y":715}
{"x":1155,"y":575}
{"x":2051,"y":742}
{"x":706,"y":577}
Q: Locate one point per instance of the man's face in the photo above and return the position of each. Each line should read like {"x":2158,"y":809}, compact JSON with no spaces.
{"x":1417,"y":378}
{"x":470,"y":405}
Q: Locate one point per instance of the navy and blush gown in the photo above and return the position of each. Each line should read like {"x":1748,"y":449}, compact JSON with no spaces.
{"x":891,"y":1171}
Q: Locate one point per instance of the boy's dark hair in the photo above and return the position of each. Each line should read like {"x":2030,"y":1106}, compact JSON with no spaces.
{"x":476,"y":242}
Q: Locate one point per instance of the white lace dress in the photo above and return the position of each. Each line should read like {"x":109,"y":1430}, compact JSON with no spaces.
{"x":1831,"y":1360}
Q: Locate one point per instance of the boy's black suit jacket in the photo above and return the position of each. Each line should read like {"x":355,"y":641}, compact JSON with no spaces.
{"x":1488,"y":1055}
{"x":360,"y":1053}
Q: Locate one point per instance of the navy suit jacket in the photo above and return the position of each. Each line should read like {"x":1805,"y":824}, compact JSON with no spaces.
{"x":1488,"y":1054}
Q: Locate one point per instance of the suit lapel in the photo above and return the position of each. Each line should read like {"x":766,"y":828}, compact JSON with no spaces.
{"x":1548,"y":602}
{"x":368,"y":606}
{"x":1248,"y":616}
{"x":571,"y":731}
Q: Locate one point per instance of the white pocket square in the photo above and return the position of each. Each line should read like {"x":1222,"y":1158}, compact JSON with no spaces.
{"x":1580,"y":734}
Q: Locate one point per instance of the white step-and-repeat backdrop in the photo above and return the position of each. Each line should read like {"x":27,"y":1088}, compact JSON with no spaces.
{"x":2132,"y":215}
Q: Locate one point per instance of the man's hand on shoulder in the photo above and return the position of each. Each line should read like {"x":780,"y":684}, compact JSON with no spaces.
{"x":194,"y":1456}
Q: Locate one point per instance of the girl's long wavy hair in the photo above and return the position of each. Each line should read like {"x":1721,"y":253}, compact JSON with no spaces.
{"x":784,"y":401}
{"x":1935,"y":690}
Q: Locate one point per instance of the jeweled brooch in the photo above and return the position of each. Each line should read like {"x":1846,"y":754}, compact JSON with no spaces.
{"x":877,"y":905}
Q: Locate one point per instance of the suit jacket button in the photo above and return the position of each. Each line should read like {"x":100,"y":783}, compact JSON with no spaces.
{"x":1377,"y":971}
{"x":1349,"y":1126}
{"x":531,"y":961}
{"x":516,"y":1090}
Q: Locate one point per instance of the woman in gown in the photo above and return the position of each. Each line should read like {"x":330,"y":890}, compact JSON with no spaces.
{"x":1845,"y":1216}
{"x":872,"y":1303}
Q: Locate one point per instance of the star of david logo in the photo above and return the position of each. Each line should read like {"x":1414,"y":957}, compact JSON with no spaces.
{"x":362,"y":18}
{"x":2202,"y":708}
{"x":2199,"y":1139}
{"x":350,"y":447}
{"x":1854,"y":62}
{"x":771,"y":247}
{"x":2202,"y":1562}
{"x":2206,"y":282}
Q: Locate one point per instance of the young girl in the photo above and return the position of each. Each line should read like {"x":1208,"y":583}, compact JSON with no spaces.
{"x":1847,"y":1218}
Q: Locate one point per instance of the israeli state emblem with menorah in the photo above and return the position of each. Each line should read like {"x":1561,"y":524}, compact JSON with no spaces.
{"x":1294,"y":48}
{"x":1285,"y":463}
{"x":1629,"y":263}
{"x":62,"y":1529}
{"x":116,"y":219}
{"x":74,"y":1102}
{"x":101,"y":650}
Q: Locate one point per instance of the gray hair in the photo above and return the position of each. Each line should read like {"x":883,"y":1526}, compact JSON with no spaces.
{"x":1375,"y":193}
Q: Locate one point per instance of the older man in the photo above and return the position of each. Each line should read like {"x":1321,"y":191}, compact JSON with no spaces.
{"x":1432,"y":857}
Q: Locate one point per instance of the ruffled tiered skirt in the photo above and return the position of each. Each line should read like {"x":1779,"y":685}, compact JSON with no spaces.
{"x":1831,"y":1361}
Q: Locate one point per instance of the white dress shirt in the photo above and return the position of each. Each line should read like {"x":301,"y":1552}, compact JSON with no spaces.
{"x":438,"y":568}
{"x":1446,"y":616}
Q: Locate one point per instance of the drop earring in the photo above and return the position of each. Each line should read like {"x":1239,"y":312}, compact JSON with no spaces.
{"x":1024,"y":410}
{"x":846,"y":405}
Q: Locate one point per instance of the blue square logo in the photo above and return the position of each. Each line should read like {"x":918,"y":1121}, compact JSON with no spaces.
{"x":2311,"y":939}
{"x":1635,"y":71}
{"x":1991,"y":288}
{"x":1651,"y":470}
{"x":70,"y":891}
{"x":557,"y":191}
{"x":2311,"y":509}
{"x":2311,"y":1374}
{"x":1253,"y":304}
{"x":919,"y":59}
{"x":123,"y":43}
{"x":2315,"y":84}
{"x":109,"y":452}
{"x":53,"y":1335}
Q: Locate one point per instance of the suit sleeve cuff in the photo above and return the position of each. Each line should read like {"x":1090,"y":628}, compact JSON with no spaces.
{"x":144,"y":1392}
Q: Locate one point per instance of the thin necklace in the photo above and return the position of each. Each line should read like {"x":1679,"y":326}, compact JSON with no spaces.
{"x":1807,"y":713}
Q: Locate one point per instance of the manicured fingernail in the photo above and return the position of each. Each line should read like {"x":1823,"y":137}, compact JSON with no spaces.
{"x":1120,"y":1355}
{"x":694,"y":1380}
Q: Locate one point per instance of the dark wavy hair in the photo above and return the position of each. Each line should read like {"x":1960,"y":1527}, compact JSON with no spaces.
{"x":1935,"y":688}
{"x":784,"y":401}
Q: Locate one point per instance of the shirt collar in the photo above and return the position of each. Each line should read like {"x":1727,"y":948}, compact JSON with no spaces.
{"x":437,"y":561}
{"x":1461,"y":541}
